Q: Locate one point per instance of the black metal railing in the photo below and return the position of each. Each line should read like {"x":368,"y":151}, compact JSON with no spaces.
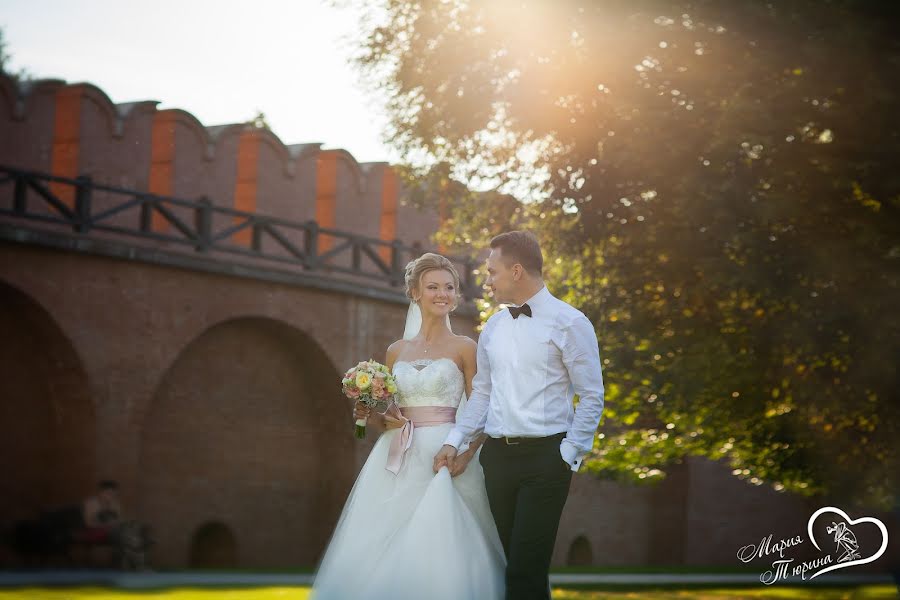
{"x":214,"y":231}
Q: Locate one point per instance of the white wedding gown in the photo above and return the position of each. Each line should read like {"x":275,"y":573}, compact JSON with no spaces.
{"x":415,"y":535}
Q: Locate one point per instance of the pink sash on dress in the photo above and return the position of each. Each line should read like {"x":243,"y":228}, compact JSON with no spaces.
{"x":414,"y":416}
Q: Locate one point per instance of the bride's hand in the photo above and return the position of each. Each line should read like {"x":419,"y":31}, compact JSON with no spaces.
{"x":462,"y":461}
{"x":361,"y":411}
{"x":392,"y":423}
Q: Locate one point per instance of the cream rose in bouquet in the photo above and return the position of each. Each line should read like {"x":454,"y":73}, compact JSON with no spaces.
{"x":371,"y":383}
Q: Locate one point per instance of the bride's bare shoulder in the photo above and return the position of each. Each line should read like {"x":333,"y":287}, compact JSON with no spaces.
{"x":464,"y":342}
{"x":464,"y":339}
{"x":465,"y":348}
{"x":398,"y":344}
{"x":394,"y":351}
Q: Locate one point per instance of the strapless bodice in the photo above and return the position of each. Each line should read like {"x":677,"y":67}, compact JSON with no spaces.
{"x":429,"y":382}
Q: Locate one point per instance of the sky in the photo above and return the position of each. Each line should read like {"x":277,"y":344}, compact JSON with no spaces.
{"x":222,"y":61}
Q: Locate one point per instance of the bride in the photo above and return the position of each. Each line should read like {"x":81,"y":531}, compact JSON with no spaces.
{"x":406,"y":533}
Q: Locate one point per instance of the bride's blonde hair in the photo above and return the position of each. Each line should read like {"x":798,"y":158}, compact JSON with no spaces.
{"x":429,"y":262}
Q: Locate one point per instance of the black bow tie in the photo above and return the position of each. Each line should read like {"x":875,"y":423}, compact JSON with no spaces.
{"x":522,"y":310}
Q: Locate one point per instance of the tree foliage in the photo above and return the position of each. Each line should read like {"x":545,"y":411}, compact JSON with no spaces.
{"x":714,"y":185}
{"x":4,"y":57}
{"x":21,"y":74}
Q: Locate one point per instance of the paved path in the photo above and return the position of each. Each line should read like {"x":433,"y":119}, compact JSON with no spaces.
{"x":167,"y":580}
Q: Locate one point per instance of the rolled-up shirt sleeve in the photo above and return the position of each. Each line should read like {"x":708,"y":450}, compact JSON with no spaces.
{"x":581,"y":356}
{"x":474,"y":416}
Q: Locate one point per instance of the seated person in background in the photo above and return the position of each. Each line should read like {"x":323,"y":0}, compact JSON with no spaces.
{"x":104,"y":523}
{"x":102,"y":513}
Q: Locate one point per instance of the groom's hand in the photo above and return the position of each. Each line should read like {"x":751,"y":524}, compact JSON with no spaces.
{"x":445,"y":458}
{"x":461,"y":462}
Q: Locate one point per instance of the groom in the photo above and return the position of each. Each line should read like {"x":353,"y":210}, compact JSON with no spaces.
{"x":530,"y":360}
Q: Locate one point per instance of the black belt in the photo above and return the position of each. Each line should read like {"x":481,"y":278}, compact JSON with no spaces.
{"x":512,"y":441}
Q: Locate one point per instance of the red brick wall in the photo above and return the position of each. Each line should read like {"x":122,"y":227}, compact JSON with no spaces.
{"x":27,"y":140}
{"x":76,"y":130}
{"x":242,"y":432}
{"x":209,"y":398}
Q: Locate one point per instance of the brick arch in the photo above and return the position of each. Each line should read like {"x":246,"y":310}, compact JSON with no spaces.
{"x":130,"y":110}
{"x":356,"y":170}
{"x":47,"y":419}
{"x":181,"y":117}
{"x":32,"y":90}
{"x":247,"y":427}
{"x":580,"y":553}
{"x":213,"y":546}
{"x":104,"y":105}
{"x":274,"y":143}
{"x":219,"y":133}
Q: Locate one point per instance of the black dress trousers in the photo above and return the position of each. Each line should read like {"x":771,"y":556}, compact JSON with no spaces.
{"x":527,"y":485}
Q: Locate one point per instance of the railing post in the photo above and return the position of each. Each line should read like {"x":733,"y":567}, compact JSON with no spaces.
{"x":398,"y":274}
{"x":83,"y":188}
{"x":146,"y":215}
{"x":356,"y":256}
{"x":311,"y":247}
{"x":203,"y":224}
{"x":20,"y":192}
{"x":256,"y":239}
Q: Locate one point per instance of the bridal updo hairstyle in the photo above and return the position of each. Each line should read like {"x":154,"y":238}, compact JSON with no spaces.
{"x":429,"y":262}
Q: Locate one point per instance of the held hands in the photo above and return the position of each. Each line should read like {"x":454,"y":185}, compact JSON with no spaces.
{"x":391,"y":423}
{"x":461,"y":462}
{"x":446,"y":457}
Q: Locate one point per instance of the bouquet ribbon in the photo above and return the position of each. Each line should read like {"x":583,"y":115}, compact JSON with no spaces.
{"x":413,"y":416}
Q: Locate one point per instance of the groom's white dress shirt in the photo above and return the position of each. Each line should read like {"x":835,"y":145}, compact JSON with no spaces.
{"x":528,"y":370}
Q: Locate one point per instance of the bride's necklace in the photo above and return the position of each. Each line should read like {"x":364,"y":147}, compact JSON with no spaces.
{"x":425,"y":343}
{"x":438,"y":338}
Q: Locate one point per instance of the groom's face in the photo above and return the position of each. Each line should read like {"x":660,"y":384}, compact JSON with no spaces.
{"x":501,"y":279}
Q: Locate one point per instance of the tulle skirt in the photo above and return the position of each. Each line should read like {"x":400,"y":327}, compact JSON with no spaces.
{"x":414,"y":535}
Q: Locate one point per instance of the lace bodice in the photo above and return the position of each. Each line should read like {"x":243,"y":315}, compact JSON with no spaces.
{"x":429,"y":382}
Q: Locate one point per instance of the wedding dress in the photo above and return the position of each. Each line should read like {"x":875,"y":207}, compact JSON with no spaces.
{"x":415,"y":535}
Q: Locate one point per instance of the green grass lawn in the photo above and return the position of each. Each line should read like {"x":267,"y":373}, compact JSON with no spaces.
{"x":880,"y":592}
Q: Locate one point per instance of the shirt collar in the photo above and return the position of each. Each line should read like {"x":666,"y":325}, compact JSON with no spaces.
{"x":539,"y":298}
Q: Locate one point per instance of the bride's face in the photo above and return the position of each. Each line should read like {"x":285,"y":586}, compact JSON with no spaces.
{"x":438,"y":292}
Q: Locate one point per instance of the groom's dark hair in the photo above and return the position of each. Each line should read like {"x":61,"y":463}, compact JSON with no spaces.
{"x":520,"y":247}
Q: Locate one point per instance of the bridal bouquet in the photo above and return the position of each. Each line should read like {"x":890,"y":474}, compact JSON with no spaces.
{"x":371,"y":383}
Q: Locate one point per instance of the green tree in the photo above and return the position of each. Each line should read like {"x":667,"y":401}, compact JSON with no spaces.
{"x":715,"y":187}
{"x":5,"y":57}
